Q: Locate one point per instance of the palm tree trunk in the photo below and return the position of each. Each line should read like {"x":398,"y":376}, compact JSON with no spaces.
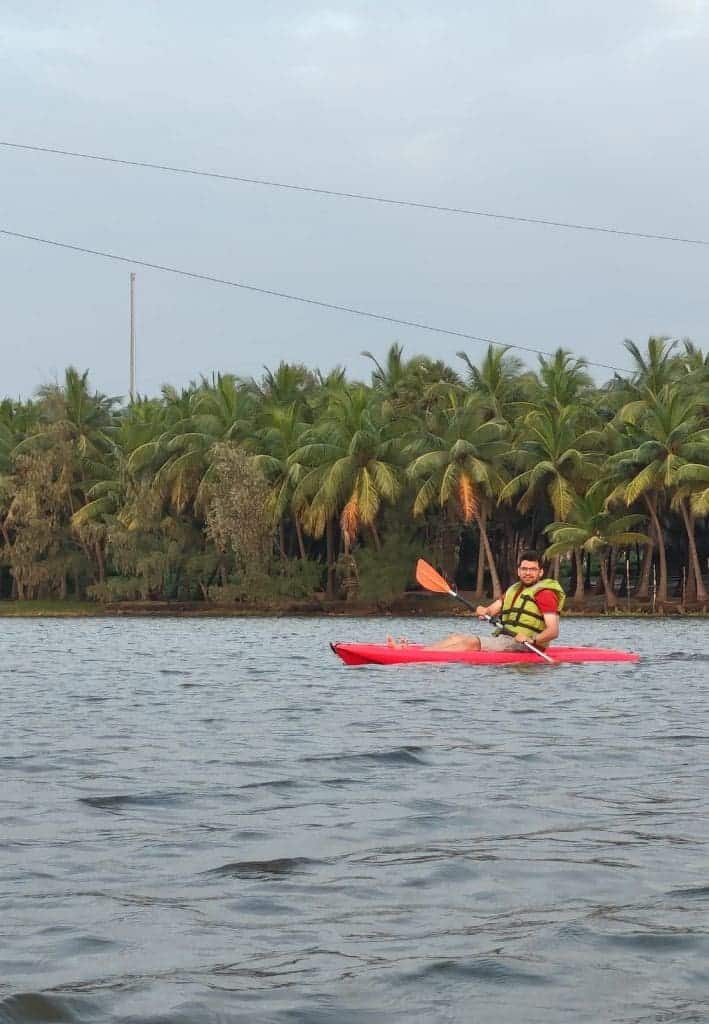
{"x":661,"y":551}
{"x":299,"y":535}
{"x":579,"y":595}
{"x":330,"y":556}
{"x":556,"y":567}
{"x":643,"y":590}
{"x":100,"y":561}
{"x":449,"y":539}
{"x":480,"y":571}
{"x":611,"y":599}
{"x":375,"y":537}
{"x":496,"y":588}
{"x":693,"y":556}
{"x":612,"y":563}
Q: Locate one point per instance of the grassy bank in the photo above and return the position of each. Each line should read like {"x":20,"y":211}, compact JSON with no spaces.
{"x":37,"y":609}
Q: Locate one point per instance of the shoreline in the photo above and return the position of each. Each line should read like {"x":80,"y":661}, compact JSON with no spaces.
{"x":410,"y":606}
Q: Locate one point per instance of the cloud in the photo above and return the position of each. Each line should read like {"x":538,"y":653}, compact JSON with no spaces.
{"x":328,"y":23}
{"x":680,"y":21}
{"x":45,"y":40}
{"x":684,"y":8}
{"x":308,"y":74}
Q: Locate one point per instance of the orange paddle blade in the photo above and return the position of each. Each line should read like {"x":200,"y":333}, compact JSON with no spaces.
{"x":429,"y":579}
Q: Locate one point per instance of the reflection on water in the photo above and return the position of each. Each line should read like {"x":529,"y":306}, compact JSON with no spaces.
{"x":216,"y":821}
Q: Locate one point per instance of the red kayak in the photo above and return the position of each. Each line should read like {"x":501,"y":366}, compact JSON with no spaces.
{"x":382,"y":654}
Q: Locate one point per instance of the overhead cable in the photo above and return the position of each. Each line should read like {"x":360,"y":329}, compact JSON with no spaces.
{"x":212,"y":279}
{"x":363,"y":197}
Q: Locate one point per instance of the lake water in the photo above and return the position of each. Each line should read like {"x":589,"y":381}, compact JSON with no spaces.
{"x":208,"y":821}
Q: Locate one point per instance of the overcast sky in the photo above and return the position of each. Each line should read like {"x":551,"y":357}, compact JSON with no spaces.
{"x":591,"y":112}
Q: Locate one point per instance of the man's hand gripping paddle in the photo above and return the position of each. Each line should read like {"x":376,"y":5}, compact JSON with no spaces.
{"x":429,"y":579}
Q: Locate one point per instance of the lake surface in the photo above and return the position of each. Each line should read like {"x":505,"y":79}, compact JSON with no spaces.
{"x":209,"y":821}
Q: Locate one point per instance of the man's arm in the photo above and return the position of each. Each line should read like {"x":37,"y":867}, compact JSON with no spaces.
{"x":491,"y":609}
{"x":549,"y":633}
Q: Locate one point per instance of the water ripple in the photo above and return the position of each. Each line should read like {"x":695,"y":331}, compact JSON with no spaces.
{"x":263,"y":868}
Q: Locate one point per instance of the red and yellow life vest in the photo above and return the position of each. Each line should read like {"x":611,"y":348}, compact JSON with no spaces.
{"x":520,"y":612}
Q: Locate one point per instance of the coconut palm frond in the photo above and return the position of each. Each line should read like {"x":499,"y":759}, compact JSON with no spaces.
{"x":349,"y":520}
{"x":467,"y":498}
{"x":643,"y":482}
{"x":426,"y":497}
{"x":561,"y":496}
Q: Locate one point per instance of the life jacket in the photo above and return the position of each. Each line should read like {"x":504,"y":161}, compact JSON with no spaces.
{"x":520,"y":613}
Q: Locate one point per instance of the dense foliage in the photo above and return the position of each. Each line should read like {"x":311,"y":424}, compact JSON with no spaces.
{"x":236,"y":489}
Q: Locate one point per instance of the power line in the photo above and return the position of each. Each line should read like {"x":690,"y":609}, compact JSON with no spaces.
{"x":362,"y":196}
{"x":194,"y":275}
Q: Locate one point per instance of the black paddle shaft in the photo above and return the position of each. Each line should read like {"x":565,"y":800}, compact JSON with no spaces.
{"x":463,"y":600}
{"x":492,"y":619}
{"x":495,"y":621}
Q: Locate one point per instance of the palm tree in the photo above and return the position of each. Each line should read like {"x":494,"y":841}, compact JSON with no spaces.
{"x":136,"y":426}
{"x":694,"y":361}
{"x":170,"y":418}
{"x":74,"y":430}
{"x":556,"y":464}
{"x":695,"y":364}
{"x":562,"y":380}
{"x":412,"y":384}
{"x":278,"y":436}
{"x":663,"y":435}
{"x":85,"y":418}
{"x":182,"y":455}
{"x":589,"y":526}
{"x":498,"y":383}
{"x":17,"y":420}
{"x":456,"y":466}
{"x":288,"y":384}
{"x":388,"y":378}
{"x":656,"y":369}
{"x":350,"y":467}
{"x":328,"y":385}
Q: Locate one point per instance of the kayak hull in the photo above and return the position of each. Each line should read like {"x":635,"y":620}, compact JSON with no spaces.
{"x":382,"y":654}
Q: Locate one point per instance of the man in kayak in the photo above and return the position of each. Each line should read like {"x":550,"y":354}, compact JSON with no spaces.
{"x":529,"y":611}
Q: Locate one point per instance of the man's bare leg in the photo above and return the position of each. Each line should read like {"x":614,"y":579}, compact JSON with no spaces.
{"x":456,"y":642}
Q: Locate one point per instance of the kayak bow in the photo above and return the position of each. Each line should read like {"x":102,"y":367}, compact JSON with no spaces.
{"x":382,"y":654}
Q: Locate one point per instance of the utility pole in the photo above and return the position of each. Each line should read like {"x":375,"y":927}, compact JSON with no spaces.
{"x":132,"y":337}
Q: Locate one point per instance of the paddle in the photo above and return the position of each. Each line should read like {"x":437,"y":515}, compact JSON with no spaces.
{"x":429,"y":579}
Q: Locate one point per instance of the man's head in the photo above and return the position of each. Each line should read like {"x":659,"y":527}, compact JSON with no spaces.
{"x":529,"y":567}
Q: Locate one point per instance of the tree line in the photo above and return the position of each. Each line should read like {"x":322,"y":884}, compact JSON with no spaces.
{"x":237,"y":489}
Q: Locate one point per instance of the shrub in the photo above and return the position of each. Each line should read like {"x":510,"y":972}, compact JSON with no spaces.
{"x":387,"y":573}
